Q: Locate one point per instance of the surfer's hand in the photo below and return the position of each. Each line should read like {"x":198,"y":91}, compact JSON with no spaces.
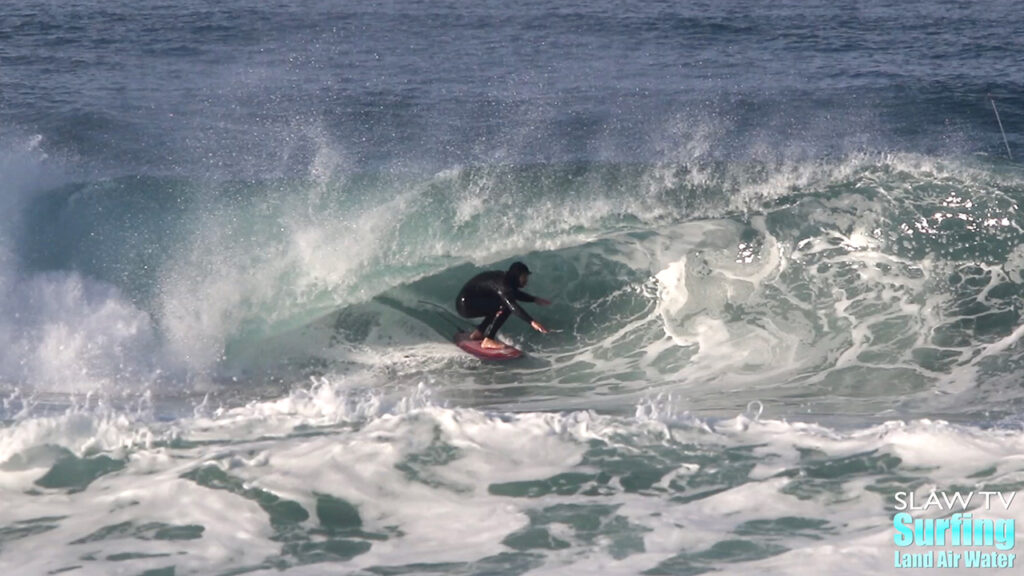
{"x":538,"y":327}
{"x":542,"y":301}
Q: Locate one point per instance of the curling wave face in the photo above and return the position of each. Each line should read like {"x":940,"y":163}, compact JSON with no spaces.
{"x":874,"y":285}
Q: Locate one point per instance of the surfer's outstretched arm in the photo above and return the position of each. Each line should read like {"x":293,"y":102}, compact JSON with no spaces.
{"x":525,"y":297}
{"x":519,"y":311}
{"x":514,"y":306}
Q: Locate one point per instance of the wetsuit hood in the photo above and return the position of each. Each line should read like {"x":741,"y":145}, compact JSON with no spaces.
{"x":516,"y":270}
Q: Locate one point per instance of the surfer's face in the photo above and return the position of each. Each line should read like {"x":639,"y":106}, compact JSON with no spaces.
{"x":523,"y":279}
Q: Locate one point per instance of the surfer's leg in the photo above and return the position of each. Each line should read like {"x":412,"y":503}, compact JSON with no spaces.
{"x":475,"y":308}
{"x":481,"y":329}
{"x":496,"y":321}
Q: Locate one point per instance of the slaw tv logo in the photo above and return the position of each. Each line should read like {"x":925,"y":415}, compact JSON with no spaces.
{"x":964,"y":537}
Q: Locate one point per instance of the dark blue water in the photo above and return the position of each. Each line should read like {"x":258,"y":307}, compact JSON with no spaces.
{"x":250,"y":87}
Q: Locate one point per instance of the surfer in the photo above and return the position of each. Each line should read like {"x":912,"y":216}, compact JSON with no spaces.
{"x":494,"y":295}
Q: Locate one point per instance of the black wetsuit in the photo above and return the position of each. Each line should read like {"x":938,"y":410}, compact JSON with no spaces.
{"x":492,"y":295}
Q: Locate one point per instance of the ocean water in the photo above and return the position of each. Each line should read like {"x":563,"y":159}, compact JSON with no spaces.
{"x":783,"y":241}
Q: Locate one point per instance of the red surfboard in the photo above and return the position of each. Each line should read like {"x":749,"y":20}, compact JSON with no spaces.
{"x":473,"y":347}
